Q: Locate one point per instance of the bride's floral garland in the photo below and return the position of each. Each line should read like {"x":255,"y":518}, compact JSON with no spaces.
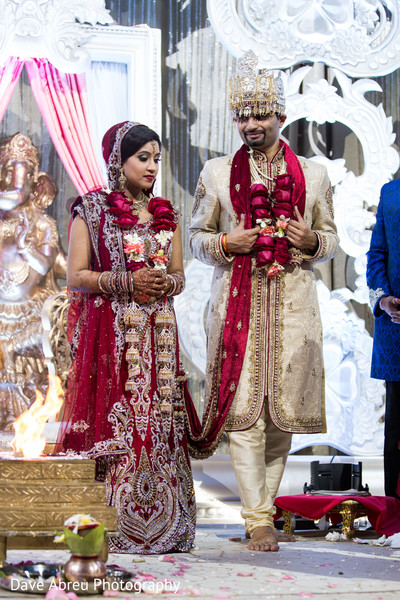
{"x":163,"y":225}
{"x":272,"y":212}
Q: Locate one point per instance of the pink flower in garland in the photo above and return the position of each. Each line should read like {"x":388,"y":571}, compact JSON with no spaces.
{"x":268,"y":230}
{"x":134,"y":250}
{"x":133,"y":246}
{"x":281,"y":226}
{"x":130,"y":248}
{"x":274,"y":270}
{"x":159,"y":259}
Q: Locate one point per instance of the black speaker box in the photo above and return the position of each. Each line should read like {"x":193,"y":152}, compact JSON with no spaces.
{"x":335,"y":477}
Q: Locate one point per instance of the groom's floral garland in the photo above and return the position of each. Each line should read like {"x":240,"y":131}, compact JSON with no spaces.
{"x":163,"y":224}
{"x":272,"y":212}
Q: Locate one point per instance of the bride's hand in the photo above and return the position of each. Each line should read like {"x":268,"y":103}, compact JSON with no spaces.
{"x":150,"y":281}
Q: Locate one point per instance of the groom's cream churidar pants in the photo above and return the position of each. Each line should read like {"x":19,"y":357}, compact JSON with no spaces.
{"x":259,"y":457}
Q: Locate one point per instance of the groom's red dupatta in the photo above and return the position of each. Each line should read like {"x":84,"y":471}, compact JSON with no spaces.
{"x":233,"y":341}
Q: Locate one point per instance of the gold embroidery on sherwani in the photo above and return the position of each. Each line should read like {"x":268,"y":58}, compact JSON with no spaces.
{"x":276,"y":333}
{"x":250,"y":395}
{"x":329,"y":200}
{"x":199,"y":195}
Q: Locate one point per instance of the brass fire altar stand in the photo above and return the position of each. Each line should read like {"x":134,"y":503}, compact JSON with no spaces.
{"x":37,"y":495}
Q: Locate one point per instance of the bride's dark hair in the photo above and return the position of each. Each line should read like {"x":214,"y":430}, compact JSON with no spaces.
{"x":135,"y":138}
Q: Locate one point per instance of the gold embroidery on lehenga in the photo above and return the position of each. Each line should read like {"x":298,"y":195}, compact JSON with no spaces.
{"x":133,"y":319}
{"x":144,"y":490}
{"x":80,"y":426}
{"x":165,"y":323}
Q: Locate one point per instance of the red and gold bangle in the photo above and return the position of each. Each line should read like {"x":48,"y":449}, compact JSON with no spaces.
{"x":224,"y":244}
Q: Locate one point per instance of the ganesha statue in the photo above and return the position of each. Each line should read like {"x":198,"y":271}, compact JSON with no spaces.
{"x":31,"y":261}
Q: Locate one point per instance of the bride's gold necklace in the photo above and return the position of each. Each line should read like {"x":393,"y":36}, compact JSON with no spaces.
{"x":139,"y":203}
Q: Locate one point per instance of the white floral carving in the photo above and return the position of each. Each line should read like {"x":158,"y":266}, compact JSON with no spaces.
{"x":346,"y":103}
{"x":351,"y":46}
{"x":361,"y":37}
{"x":366,"y":14}
{"x":321,"y":18}
{"x":354,"y":401}
{"x":322,"y":102}
{"x":53,"y":29}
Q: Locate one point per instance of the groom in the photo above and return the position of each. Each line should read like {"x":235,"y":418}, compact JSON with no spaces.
{"x":262,"y":217}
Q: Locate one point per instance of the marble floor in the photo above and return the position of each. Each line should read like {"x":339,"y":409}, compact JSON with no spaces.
{"x":221,"y":567}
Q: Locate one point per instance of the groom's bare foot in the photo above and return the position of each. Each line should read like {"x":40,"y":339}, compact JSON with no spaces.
{"x":263,"y":540}
{"x":279,"y":536}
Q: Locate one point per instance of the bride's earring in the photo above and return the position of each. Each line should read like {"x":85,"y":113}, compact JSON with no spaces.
{"x":122,"y":181}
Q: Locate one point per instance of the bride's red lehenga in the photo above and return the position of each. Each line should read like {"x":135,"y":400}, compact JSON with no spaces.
{"x":126,"y":396}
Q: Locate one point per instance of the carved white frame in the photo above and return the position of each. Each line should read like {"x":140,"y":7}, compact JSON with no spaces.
{"x":51,"y":29}
{"x":72,"y":33}
{"x":139,"y":49}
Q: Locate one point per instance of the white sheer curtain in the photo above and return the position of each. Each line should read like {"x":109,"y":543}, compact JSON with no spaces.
{"x":107,"y":90}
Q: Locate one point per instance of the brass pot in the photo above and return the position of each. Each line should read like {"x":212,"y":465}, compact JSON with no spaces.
{"x":85,"y":569}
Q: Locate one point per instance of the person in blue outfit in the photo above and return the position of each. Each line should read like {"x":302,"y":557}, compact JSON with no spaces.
{"x":383,"y":278}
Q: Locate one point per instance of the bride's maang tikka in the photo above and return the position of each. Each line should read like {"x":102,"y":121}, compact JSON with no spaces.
{"x":255,"y":92}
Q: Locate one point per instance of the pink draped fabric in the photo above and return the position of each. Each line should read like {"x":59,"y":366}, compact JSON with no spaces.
{"x":62,"y":101}
{"x":9,"y":75}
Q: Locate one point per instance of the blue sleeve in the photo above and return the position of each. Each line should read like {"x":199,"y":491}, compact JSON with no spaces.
{"x":377,"y":261}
